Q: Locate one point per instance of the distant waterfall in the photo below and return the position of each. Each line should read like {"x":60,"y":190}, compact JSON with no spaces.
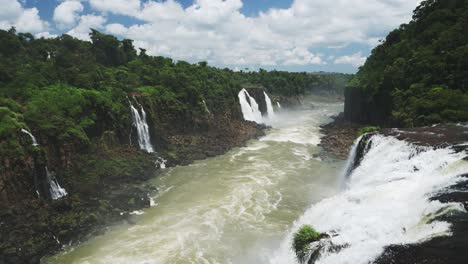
{"x":34,"y":142}
{"x":278,"y":104}
{"x":271,"y":112}
{"x":139,"y":121}
{"x":56,"y":191}
{"x":249,"y":107}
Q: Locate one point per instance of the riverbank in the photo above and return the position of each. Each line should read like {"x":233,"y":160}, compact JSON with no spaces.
{"x":338,"y":136}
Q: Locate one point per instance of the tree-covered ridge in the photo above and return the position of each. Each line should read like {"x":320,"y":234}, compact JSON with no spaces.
{"x":419,"y":74}
{"x":69,"y":90}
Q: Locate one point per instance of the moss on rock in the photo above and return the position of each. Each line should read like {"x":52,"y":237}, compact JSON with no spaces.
{"x":302,"y":240}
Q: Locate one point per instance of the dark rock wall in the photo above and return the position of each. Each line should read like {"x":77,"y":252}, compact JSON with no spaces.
{"x":365,"y":109}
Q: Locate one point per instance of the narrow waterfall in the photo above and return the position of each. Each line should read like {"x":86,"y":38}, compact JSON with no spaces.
{"x":34,"y":142}
{"x":249,"y":107}
{"x":386,"y":201}
{"x":56,"y":191}
{"x":271,"y":112}
{"x":139,"y":121}
{"x":206,"y":107}
{"x":278,"y":104}
{"x":350,"y":162}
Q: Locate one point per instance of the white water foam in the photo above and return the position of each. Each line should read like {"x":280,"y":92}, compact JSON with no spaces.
{"x":386,"y":202}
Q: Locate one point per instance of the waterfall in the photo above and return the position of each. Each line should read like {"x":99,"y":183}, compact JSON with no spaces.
{"x":271,"y":112}
{"x":387,"y":201}
{"x":56,"y":191}
{"x":206,"y":107}
{"x":249,"y":107}
{"x":34,"y":142}
{"x":350,"y":162}
{"x":139,"y":121}
{"x":278,"y":104}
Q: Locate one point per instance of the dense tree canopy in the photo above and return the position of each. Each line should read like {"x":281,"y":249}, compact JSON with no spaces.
{"x":419,"y":74}
{"x":67,"y":88}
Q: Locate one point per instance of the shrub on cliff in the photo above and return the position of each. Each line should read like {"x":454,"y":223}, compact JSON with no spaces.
{"x":302,"y":240}
{"x":368,"y":129}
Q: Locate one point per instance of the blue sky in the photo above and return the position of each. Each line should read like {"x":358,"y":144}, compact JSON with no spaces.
{"x":294,"y":35}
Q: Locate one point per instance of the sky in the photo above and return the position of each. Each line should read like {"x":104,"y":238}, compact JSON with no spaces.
{"x":292,"y":35}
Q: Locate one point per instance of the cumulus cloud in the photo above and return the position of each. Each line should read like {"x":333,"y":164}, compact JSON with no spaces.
{"x":67,"y":13}
{"x":81,"y":31}
{"x":12,"y":13}
{"x":116,"y":29}
{"x":120,"y":7}
{"x":217,"y":31}
{"x":355,"y":59}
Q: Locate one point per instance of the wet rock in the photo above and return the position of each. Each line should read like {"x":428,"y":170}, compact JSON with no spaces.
{"x":339,"y":136}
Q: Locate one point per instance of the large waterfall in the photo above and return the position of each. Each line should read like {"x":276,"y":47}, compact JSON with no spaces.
{"x":34,"y":142}
{"x":386,"y":202}
{"x":139,"y":121}
{"x":250,"y":109}
{"x":56,"y":191}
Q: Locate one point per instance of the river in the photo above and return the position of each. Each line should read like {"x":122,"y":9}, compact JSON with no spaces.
{"x":234,"y":208}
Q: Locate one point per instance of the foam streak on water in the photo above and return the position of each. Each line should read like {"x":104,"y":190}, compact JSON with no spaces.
{"x":386,"y":202}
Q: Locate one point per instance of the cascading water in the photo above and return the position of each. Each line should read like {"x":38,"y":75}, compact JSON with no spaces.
{"x":34,"y":142}
{"x":56,"y":191}
{"x":249,"y":107}
{"x":271,"y":112}
{"x":350,"y":162}
{"x":139,"y":121}
{"x":278,"y":104}
{"x":386,"y":202}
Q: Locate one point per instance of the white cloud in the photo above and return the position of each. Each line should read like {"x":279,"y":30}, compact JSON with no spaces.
{"x":355,"y":59}
{"x":12,"y":13}
{"x":216,"y":30}
{"x":46,"y":35}
{"x":121,"y":7}
{"x":81,"y":31}
{"x":67,"y":13}
{"x":116,"y":29}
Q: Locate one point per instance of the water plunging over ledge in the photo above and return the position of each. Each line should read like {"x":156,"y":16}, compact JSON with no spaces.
{"x":139,"y":121}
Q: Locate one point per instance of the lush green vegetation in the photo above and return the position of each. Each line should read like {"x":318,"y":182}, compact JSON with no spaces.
{"x":419,"y":74}
{"x":70,"y":90}
{"x":368,"y":129}
{"x":302,"y":239}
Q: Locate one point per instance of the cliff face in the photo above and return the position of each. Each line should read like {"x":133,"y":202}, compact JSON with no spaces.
{"x":361,"y":108}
